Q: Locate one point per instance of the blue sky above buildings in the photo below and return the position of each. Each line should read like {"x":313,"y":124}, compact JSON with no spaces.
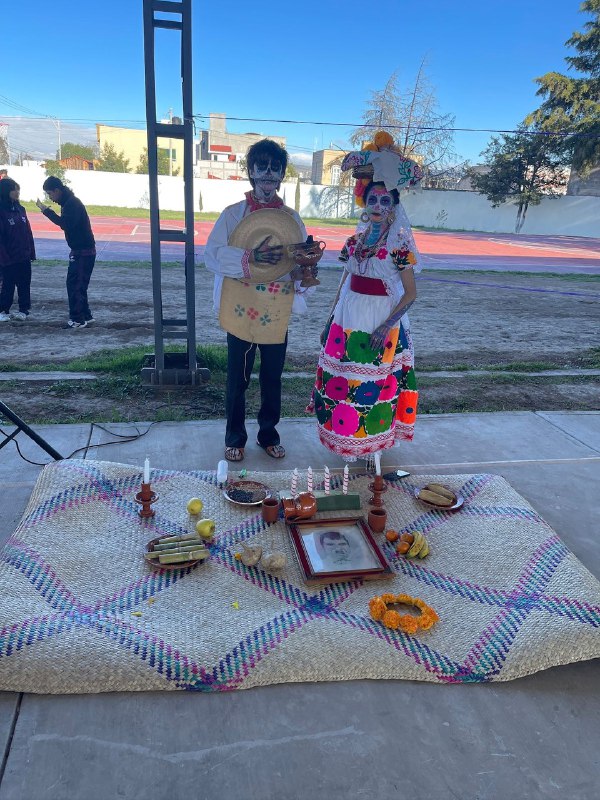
{"x":312,"y":61}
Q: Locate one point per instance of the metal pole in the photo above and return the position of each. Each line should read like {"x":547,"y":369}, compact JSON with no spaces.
{"x":159,"y":351}
{"x":23,"y":426}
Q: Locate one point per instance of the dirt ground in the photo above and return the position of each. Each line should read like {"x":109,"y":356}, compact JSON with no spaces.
{"x":463,"y":318}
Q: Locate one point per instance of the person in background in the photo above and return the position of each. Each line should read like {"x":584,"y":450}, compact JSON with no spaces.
{"x":17,"y":251}
{"x":75,"y":222}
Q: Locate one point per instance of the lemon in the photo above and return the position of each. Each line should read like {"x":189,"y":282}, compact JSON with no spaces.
{"x":195,"y":506}
{"x":206,"y":528}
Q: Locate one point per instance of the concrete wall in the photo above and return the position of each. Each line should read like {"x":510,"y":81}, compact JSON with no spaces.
{"x":567,"y":215}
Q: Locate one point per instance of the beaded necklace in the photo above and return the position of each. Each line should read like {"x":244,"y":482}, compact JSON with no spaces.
{"x":373,"y":236}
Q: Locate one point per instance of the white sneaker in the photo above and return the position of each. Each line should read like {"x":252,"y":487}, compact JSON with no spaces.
{"x":18,"y":315}
{"x":75,"y":325}
{"x":4,"y":317}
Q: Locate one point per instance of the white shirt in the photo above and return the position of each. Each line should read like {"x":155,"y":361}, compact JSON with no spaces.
{"x":226,"y":261}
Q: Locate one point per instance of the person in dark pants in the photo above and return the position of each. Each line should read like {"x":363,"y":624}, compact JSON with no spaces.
{"x":75,"y":222}
{"x":17,"y":251}
{"x":255,"y":314}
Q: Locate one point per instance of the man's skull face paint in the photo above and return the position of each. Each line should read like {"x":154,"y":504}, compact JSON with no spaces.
{"x":379,"y":204}
{"x":267,"y":174}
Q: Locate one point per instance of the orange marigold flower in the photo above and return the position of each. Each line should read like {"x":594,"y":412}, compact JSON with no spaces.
{"x":377,"y":608}
{"x":392,"y":619}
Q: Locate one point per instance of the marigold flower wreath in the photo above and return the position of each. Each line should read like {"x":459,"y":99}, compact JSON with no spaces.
{"x":378,"y":606}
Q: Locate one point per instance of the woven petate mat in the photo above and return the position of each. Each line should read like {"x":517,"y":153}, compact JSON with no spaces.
{"x":81,"y":610}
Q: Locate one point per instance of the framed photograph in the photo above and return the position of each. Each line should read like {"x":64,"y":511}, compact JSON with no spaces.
{"x":332,"y":550}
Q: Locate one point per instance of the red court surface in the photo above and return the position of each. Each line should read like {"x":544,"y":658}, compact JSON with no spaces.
{"x":504,"y":249}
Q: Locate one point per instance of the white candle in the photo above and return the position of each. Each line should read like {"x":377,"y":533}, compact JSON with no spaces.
{"x":345,"y":484}
{"x":309,"y":479}
{"x":377,"y":464}
{"x":147,"y":470}
{"x":294,"y":486}
{"x":222,"y":472}
{"x":327,"y":480}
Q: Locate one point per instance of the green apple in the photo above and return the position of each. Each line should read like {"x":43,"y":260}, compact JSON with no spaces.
{"x":195,"y":506}
{"x":206,"y":528}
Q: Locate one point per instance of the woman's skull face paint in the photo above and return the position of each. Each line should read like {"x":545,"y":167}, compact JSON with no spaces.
{"x":379,"y":204}
{"x":267,"y":174}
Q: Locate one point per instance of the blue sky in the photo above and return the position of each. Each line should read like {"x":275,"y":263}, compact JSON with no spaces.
{"x":311,"y":60}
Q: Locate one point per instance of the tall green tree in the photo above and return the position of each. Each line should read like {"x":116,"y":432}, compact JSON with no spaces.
{"x":111,"y":161}
{"x":413,"y":118}
{"x":163,"y":163}
{"x":522,"y":168}
{"x":54,"y":168}
{"x":69,"y":149}
{"x":572,"y":103}
{"x":3,"y":151}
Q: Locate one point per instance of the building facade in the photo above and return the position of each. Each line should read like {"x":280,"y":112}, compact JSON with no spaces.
{"x":221,"y":155}
{"x":327,"y":168}
{"x":132,"y":142}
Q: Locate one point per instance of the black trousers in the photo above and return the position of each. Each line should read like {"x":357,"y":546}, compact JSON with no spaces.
{"x":78,"y":279}
{"x":240,"y":360}
{"x":19,"y":276}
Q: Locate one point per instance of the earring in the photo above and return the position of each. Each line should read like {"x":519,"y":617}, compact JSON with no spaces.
{"x":364,"y":217}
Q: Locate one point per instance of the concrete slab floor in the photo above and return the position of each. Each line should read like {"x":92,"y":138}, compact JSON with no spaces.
{"x":528,"y":739}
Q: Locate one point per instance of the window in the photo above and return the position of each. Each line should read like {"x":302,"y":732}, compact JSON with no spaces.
{"x":336,"y":172}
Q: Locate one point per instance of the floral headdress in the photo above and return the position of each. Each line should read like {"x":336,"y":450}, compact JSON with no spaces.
{"x":381,"y":161}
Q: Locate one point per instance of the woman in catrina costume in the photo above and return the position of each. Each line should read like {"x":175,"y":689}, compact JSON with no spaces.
{"x":365,"y":394}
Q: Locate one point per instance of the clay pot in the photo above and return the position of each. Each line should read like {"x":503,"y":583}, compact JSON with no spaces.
{"x":270,"y":509}
{"x":302,"y":507}
{"x":377,"y":519}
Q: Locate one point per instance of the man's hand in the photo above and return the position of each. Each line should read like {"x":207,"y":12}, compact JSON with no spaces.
{"x":379,"y":336}
{"x":263,"y":254}
{"x":40,"y":205}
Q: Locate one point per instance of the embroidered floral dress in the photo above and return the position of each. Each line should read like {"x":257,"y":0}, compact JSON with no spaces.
{"x":365,"y":400}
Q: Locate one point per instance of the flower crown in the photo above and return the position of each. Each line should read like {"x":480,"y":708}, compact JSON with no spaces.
{"x":366,"y":168}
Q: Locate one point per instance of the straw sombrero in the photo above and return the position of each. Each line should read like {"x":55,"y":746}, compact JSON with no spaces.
{"x":253,"y":229}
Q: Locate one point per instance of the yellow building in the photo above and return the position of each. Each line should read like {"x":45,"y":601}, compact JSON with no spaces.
{"x":326,"y":168}
{"x":132,"y":142}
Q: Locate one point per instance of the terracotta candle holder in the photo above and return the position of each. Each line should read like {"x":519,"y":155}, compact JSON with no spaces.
{"x":145,"y":498}
{"x":378,"y":487}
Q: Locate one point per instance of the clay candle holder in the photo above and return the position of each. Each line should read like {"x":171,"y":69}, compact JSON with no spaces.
{"x":378,"y":487}
{"x":145,"y":498}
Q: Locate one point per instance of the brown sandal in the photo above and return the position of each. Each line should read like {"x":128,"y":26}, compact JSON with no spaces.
{"x":234,"y":453}
{"x":273,"y":450}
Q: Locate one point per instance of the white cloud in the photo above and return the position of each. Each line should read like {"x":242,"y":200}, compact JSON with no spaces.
{"x":39,"y":137}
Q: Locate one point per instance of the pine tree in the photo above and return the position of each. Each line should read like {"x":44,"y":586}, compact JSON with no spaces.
{"x":572,"y":103}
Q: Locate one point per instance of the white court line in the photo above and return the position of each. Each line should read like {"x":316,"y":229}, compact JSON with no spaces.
{"x":134,"y":231}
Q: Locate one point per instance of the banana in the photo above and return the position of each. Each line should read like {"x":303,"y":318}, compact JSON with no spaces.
{"x":416,"y":545}
{"x":436,"y":499}
{"x":437,"y":488}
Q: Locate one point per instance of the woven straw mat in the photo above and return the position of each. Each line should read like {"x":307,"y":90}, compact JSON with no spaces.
{"x":82,"y":611}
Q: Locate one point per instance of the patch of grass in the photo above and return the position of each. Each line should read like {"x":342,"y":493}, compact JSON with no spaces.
{"x":124,"y":362}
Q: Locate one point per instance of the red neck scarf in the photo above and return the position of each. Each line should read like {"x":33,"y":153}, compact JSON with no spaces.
{"x":255,"y":205}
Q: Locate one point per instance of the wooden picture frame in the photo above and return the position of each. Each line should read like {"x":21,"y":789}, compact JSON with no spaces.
{"x":337,"y":550}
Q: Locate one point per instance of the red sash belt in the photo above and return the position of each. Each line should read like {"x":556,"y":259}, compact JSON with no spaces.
{"x":363,"y":285}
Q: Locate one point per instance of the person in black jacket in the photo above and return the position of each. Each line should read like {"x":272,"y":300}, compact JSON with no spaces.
{"x":75,"y":223}
{"x":17,"y":251}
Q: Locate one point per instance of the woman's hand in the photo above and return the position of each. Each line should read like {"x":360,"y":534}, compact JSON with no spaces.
{"x":380,"y":335}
